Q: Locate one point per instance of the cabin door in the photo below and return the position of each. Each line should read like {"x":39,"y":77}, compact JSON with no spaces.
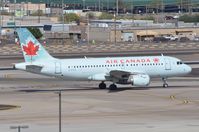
{"x":57,"y":68}
{"x":167,"y":64}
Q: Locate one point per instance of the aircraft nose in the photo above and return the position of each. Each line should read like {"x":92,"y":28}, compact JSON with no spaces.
{"x":188,"y":69}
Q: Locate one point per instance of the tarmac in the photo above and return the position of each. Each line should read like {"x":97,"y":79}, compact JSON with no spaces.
{"x":85,"y":108}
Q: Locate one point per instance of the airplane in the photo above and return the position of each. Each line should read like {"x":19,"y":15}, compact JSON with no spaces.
{"x":136,"y":71}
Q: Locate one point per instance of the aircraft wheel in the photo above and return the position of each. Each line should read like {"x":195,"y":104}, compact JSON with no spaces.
{"x":165,"y":85}
{"x":113,"y":87}
{"x":102,"y":85}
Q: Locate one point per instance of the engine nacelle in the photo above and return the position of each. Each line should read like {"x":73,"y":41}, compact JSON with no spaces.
{"x":139,"y":80}
{"x":98,"y":77}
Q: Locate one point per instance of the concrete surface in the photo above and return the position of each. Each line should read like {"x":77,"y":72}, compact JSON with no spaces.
{"x":85,"y":108}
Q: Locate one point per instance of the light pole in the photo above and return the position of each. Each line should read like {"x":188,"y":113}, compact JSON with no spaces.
{"x":1,"y":6}
{"x":18,"y":127}
{"x":162,"y":8}
{"x":83,"y":4}
{"x":62,"y":5}
{"x":107,"y":5}
{"x":99,"y":5}
{"x":15,"y":1}
{"x":115,"y":28}
{"x":39,"y":11}
{"x":59,"y":111}
{"x":88,"y":28}
{"x":0,"y":20}
{"x":59,"y":93}
{"x":117,"y":7}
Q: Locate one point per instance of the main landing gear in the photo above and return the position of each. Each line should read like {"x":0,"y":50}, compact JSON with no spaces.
{"x":165,"y":84}
{"x":113,"y":87}
{"x":102,"y":85}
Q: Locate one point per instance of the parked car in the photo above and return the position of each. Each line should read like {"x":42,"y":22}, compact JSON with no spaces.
{"x":160,"y":39}
{"x":184,"y":39}
{"x":171,"y":37}
{"x":196,"y":39}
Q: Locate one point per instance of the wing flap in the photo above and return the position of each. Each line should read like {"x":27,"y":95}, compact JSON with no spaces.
{"x":120,"y":74}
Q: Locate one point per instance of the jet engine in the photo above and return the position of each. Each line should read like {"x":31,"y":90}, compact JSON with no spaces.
{"x":139,"y":80}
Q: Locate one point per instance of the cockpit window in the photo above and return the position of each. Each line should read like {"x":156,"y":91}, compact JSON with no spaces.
{"x":179,"y":62}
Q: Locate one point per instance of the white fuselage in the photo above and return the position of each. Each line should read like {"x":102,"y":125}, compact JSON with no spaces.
{"x":97,"y":68}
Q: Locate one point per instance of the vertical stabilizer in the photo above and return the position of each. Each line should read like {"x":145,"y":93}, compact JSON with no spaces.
{"x":31,"y":47}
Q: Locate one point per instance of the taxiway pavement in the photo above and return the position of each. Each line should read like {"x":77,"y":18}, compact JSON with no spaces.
{"x":85,"y":108}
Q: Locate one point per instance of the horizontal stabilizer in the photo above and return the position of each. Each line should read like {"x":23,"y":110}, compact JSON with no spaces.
{"x":7,"y":68}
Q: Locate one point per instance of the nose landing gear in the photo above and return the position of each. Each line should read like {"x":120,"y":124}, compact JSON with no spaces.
{"x":165,"y":84}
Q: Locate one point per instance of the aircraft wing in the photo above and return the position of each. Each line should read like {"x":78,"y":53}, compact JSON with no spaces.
{"x":119,"y":74}
{"x":122,"y":74}
{"x":137,"y":78}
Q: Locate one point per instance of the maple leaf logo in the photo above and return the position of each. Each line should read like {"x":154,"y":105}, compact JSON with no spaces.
{"x":156,"y":60}
{"x":31,"y":49}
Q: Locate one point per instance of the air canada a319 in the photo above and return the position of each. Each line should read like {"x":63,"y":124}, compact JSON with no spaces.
{"x":136,"y":71}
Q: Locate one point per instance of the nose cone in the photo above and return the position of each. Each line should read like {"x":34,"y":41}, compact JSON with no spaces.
{"x":188,"y":69}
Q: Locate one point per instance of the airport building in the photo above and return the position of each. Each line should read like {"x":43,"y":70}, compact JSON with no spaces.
{"x":141,"y":30}
{"x":136,"y":6}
